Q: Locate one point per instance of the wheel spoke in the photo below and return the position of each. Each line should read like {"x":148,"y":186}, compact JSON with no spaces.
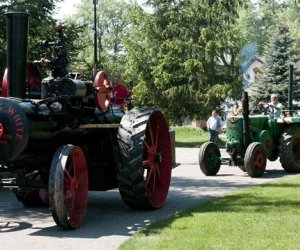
{"x":153,"y":179}
{"x":151,"y":134}
{"x":156,"y":139}
{"x":158,"y":172}
{"x":255,"y":159}
{"x":149,"y":175}
{"x":147,"y":146}
{"x":70,"y":208}
{"x":67,"y":174}
{"x":153,"y":183}
{"x":258,"y":160}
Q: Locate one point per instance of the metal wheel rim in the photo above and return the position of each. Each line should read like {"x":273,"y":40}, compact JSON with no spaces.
{"x":68,"y":186}
{"x":157,"y":159}
{"x":212,"y":156}
{"x":75,"y":186}
{"x":259,"y":159}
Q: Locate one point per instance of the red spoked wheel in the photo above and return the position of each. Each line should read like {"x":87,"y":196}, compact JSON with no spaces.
{"x":255,"y":159}
{"x":157,"y":159}
{"x":68,"y":187}
{"x":145,"y":143}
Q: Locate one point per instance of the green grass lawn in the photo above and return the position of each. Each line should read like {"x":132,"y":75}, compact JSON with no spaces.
{"x":188,"y":136}
{"x":265,"y":216}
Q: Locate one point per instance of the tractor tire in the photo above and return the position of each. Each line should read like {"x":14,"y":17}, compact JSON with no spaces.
{"x":144,"y":174}
{"x":209,"y":158}
{"x":289,"y":149}
{"x":255,"y":159}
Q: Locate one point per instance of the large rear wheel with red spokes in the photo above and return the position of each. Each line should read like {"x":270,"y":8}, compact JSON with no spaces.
{"x":145,"y":173}
{"x":289,"y":150}
{"x":68,"y":187}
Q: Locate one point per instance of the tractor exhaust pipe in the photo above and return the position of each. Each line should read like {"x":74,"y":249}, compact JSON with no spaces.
{"x":17,"y":33}
{"x":246,"y":112}
{"x":290,"y":95}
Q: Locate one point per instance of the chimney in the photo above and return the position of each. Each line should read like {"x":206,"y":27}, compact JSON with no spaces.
{"x":17,"y":34}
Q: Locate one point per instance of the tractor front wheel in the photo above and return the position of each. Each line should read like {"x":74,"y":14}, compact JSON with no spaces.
{"x":255,"y":159}
{"x":209,"y":158}
{"x":289,"y":150}
{"x":68,"y":187}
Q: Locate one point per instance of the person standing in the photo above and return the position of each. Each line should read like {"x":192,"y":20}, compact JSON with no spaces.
{"x":214,"y":126}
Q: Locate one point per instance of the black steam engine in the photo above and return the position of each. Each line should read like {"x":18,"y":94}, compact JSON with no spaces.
{"x":61,"y":136}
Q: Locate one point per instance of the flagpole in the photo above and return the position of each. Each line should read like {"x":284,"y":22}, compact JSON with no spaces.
{"x":95,"y":39}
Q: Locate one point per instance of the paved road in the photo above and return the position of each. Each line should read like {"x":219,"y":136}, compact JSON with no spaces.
{"x":109,"y":222}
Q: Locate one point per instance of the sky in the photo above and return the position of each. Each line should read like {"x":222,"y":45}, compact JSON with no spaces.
{"x":68,"y":7}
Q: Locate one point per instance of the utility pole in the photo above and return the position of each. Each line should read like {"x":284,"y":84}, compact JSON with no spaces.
{"x":95,"y":2}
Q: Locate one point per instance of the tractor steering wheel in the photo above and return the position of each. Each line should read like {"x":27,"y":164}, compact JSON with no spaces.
{"x":266,"y":108}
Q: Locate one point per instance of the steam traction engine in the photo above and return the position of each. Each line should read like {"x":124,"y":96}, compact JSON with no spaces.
{"x":60,"y":137}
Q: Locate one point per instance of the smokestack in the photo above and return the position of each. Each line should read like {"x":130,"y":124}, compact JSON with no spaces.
{"x":246,"y":112}
{"x":17,"y":33}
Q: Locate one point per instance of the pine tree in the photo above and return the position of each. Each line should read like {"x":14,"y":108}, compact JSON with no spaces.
{"x":274,"y":78}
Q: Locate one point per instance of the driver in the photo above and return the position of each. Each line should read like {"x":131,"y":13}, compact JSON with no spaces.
{"x":273,"y":108}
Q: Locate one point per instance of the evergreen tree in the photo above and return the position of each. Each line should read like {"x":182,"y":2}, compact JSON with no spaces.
{"x":279,"y":54}
{"x":111,"y":25}
{"x":41,"y":28}
{"x":41,"y":25}
{"x":185,"y":55}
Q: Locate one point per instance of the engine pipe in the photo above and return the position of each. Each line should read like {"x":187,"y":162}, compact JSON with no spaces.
{"x":246,"y":112}
{"x":17,"y":33}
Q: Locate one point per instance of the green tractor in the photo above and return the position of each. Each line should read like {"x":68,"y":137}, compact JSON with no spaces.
{"x":252,"y":139}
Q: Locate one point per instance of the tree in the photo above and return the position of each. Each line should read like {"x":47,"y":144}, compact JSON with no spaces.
{"x":111,"y":23}
{"x":41,"y":25}
{"x":41,"y":28}
{"x":279,"y":54}
{"x":185,"y":55}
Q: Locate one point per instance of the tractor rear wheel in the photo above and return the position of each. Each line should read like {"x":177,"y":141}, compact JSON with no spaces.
{"x":255,"y":159}
{"x":209,"y":158}
{"x":144,"y":174}
{"x":289,"y":149}
{"x":68,"y":187}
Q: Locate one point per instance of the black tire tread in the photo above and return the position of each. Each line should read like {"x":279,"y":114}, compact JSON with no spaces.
{"x":286,"y":156}
{"x":204,"y":151}
{"x":130,"y":172}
